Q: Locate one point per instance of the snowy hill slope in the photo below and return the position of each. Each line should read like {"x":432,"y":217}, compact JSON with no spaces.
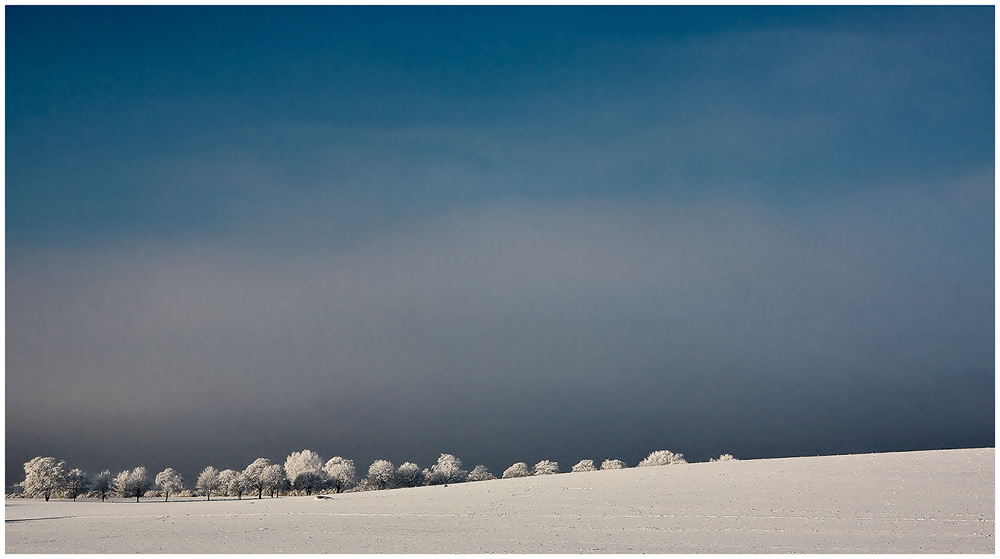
{"x":931,"y":501}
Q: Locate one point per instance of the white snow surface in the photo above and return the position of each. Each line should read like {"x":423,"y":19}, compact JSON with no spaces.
{"x":938,"y":501}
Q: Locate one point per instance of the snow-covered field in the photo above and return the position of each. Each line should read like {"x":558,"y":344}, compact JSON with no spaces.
{"x":933,"y":501}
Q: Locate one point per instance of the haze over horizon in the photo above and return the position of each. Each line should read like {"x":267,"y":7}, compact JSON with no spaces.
{"x":505,"y":233}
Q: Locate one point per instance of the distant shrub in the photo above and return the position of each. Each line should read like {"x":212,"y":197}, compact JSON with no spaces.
{"x":546,"y":467}
{"x":662,"y":458}
{"x":613,"y":465}
{"x":723,"y":458}
{"x":584,"y":466}
{"x":519,"y":469}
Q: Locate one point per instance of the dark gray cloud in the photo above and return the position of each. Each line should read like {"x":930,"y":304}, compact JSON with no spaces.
{"x":514,"y":331}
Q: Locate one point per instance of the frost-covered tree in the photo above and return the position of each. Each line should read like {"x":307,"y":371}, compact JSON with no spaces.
{"x":299,"y":463}
{"x":519,"y":469}
{"x":662,"y":458}
{"x":381,"y":475}
{"x":480,"y":473}
{"x":274,"y":479}
{"x":254,"y":474}
{"x":584,"y":466}
{"x":133,"y":483}
{"x":447,"y":470}
{"x":226,"y":478}
{"x":209,"y":482}
{"x":77,"y":483}
{"x":409,"y":475}
{"x":341,"y":473}
{"x":170,"y":481}
{"x":723,"y":458}
{"x":546,"y":467}
{"x":312,"y":481}
{"x":233,"y":483}
{"x":613,"y":465}
{"x":43,"y":476}
{"x":103,"y":484}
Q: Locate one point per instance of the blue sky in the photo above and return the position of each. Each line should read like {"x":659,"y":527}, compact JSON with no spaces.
{"x":513,"y":232}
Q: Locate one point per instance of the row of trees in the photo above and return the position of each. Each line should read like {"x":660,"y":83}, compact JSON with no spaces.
{"x":302,"y":473}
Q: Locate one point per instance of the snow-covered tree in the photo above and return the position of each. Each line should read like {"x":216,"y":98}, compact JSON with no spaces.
{"x":274,"y":479}
{"x":584,"y":466}
{"x":341,"y":473}
{"x":447,"y":470}
{"x":662,"y":458}
{"x":409,"y":475}
{"x":103,"y":484}
{"x":311,"y":481}
{"x":233,"y":483}
{"x":254,"y":474}
{"x":613,"y":465}
{"x":381,"y":475}
{"x":133,"y":483}
{"x":77,"y":483}
{"x":480,"y":473}
{"x":519,"y":469}
{"x":209,"y":482}
{"x":299,"y":463}
{"x":723,"y":458}
{"x":170,"y":481}
{"x":43,"y":476}
{"x":546,"y":467}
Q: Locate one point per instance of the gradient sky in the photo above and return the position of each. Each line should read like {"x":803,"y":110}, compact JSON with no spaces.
{"x":510,"y":234}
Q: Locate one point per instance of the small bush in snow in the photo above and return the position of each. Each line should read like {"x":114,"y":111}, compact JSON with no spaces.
{"x":480,"y":473}
{"x":546,"y":467}
{"x":584,"y":466}
{"x":613,"y":465}
{"x":662,"y":458}
{"x":723,"y":458}
{"x":517,"y":470}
